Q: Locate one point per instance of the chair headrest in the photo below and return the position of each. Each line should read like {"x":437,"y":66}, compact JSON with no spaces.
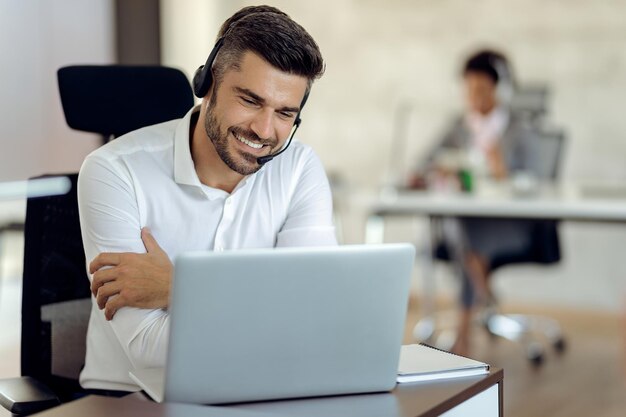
{"x":116,"y":99}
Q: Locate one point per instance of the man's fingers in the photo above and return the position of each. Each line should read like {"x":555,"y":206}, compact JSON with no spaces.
{"x":104,"y":259}
{"x":112,"y":305}
{"x":106,"y":291}
{"x":149,"y":241}
{"x":101,"y":277}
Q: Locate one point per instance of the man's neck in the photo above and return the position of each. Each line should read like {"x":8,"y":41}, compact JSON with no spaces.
{"x":210,"y":168}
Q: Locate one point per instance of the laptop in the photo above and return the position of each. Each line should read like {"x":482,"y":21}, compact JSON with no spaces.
{"x":262,"y":324}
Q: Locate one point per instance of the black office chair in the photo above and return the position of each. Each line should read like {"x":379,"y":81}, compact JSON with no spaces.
{"x":109,"y":100}
{"x":116,"y":99}
{"x":544,"y":248}
{"x":55,"y":306}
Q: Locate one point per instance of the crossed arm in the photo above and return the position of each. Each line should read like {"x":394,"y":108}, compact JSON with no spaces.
{"x":127,"y":279}
{"x":124,"y":276}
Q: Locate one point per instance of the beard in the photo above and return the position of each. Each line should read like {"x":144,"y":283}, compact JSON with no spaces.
{"x":243,"y":163}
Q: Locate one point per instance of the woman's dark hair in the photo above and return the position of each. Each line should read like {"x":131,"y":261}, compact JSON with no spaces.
{"x":488,"y":62}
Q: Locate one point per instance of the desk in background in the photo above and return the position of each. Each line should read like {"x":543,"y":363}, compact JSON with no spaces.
{"x":548,"y":202}
{"x":562,"y":201}
{"x":475,"y":396}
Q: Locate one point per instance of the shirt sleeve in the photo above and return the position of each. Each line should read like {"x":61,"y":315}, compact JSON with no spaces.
{"x":309,"y":219}
{"x":110,"y":222}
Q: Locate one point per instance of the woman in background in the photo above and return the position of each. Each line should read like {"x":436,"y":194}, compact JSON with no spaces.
{"x":488,"y":141}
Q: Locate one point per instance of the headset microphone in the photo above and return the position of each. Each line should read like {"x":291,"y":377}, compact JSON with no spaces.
{"x":265,"y":159}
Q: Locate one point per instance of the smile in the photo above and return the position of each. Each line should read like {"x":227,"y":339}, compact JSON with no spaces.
{"x":247,"y":142}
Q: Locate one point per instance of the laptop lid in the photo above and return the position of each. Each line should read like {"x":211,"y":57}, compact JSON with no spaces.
{"x":265,"y":324}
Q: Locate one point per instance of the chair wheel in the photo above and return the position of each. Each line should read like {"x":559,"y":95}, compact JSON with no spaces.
{"x":535,"y":354}
{"x":536,"y":360}
{"x":492,"y":336}
{"x":559,"y":345}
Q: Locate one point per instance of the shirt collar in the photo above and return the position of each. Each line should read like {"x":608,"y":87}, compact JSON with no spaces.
{"x":184,"y":169}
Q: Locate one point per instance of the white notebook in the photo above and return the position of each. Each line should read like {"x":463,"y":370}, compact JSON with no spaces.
{"x":425,"y":363}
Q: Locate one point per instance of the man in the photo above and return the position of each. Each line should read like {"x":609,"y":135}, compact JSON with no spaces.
{"x":197,"y":184}
{"x":496,"y":143}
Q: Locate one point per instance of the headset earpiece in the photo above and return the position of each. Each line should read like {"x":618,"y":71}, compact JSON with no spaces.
{"x":203,"y":78}
{"x":199,"y":78}
{"x":506,"y":83}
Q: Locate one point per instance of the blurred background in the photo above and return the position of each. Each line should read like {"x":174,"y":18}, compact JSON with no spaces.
{"x":392,"y":84}
{"x":383,"y":59}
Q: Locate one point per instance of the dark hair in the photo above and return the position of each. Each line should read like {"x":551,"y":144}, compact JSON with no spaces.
{"x":245,"y":12}
{"x":274,"y":36}
{"x":488,"y":62}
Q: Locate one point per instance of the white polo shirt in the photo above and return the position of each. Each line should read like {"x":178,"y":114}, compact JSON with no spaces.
{"x":147,"y":178}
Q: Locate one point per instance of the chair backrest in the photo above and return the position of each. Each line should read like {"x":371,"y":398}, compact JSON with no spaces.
{"x":531,"y":100}
{"x":56,"y":296}
{"x":551,"y":148}
{"x":544,"y":247}
{"x":116,"y":99}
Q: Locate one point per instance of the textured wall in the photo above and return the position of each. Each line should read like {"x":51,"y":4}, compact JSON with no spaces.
{"x":381,"y":54}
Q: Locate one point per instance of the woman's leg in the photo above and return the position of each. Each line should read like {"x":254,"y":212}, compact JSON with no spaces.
{"x":477,"y":267}
{"x":474,"y":292}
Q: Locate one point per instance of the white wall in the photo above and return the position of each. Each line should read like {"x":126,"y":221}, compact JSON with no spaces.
{"x":36,"y":38}
{"x":381,"y":54}
{"x":188,"y":31}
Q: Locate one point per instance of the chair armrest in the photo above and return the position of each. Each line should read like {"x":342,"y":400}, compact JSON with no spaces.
{"x":26,"y":395}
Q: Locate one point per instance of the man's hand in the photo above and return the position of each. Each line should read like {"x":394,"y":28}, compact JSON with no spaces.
{"x":132,"y":279}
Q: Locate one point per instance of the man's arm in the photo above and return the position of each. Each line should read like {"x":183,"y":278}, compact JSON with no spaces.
{"x":140,"y":280}
{"x":111,"y":223}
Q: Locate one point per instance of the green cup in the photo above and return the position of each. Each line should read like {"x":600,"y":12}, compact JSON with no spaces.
{"x":466,"y":180}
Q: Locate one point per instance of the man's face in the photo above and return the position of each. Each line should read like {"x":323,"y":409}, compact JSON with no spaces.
{"x":252,"y":112}
{"x":480,"y":92}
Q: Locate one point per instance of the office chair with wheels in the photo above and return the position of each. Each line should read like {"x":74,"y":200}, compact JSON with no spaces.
{"x":55,"y":306}
{"x":56,"y":299}
{"x":543,"y":248}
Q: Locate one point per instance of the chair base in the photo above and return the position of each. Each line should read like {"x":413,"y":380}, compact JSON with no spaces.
{"x":532,"y":332}
{"x":26,"y":395}
{"x":524,"y":329}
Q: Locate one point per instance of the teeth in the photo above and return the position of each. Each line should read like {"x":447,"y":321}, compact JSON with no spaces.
{"x":249,"y":143}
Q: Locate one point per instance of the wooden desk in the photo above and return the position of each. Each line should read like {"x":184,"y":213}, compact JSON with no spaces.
{"x":480,"y":396}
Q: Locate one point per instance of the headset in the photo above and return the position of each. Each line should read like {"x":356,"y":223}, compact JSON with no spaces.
{"x":506,"y":83}
{"x":203,"y":78}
